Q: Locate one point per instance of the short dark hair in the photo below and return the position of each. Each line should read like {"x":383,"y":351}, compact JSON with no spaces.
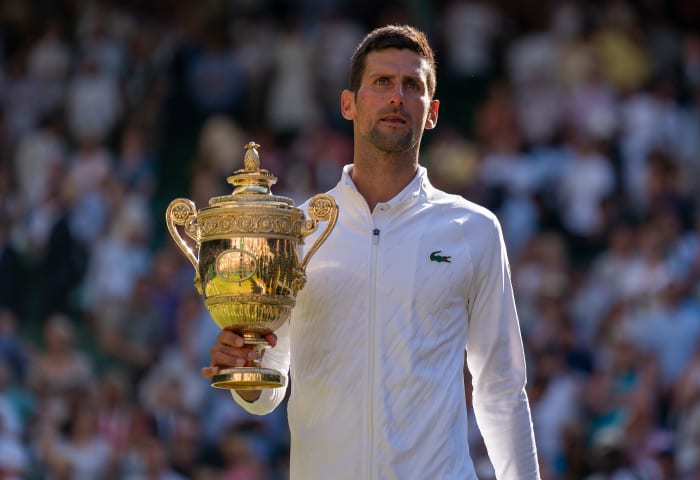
{"x":392,"y":36}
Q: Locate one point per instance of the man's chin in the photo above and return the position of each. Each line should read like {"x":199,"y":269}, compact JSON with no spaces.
{"x":393,"y":143}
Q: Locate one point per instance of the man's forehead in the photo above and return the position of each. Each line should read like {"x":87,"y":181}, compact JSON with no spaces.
{"x":403,"y":60}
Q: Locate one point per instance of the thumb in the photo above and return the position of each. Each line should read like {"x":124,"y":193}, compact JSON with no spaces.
{"x":209,"y":372}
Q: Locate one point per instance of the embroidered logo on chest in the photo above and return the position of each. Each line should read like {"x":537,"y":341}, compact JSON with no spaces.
{"x":436,"y":257}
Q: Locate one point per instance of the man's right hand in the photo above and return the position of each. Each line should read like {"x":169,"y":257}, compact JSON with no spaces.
{"x":230,"y":351}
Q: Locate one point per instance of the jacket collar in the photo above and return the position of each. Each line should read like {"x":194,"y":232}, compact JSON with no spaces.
{"x":413,"y":190}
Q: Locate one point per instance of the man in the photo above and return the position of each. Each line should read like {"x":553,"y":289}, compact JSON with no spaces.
{"x":408,"y":277}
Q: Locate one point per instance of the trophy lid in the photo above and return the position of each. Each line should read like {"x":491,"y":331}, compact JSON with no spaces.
{"x":251,"y":183}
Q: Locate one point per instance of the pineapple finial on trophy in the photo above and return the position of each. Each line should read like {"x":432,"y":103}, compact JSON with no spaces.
{"x":251,"y":160}
{"x":251,"y":179}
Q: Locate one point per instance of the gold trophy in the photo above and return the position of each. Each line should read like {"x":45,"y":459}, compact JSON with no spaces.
{"x":246,"y":261}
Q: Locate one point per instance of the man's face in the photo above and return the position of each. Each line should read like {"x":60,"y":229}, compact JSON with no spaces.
{"x":392,"y":106}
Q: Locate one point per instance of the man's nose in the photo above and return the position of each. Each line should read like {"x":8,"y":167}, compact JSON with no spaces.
{"x":396,"y":97}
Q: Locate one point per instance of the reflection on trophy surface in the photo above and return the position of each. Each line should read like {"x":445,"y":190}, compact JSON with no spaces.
{"x":246,"y":261}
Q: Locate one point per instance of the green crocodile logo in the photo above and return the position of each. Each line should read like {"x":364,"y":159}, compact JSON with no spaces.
{"x":435,"y":257}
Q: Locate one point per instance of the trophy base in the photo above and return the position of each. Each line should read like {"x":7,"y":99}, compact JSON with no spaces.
{"x":247,"y":378}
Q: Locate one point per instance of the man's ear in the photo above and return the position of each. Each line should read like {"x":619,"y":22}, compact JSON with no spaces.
{"x":347,"y":105}
{"x":431,"y":121}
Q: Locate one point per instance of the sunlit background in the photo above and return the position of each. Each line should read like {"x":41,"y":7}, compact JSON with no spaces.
{"x":577,"y":122}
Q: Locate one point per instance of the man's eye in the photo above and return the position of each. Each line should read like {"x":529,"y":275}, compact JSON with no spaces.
{"x":382,"y":81}
{"x":413,"y":85}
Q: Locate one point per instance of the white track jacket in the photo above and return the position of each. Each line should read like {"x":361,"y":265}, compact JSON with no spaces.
{"x":375,"y":345}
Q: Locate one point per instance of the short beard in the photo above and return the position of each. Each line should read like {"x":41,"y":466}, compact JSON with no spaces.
{"x":392,"y":143}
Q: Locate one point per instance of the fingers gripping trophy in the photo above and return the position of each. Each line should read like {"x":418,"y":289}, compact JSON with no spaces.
{"x":245,"y":258}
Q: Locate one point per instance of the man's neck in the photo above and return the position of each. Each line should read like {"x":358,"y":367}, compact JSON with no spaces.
{"x":381,"y":179}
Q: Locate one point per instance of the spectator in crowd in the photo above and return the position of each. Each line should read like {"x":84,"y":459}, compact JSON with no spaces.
{"x":93,"y":102}
{"x":49,"y":62}
{"x":60,"y":365}
{"x":15,"y":351}
{"x":150,"y":461}
{"x":14,"y":453}
{"x":75,"y":449}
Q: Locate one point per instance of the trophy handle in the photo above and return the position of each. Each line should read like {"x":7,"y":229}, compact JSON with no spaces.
{"x":183,"y":212}
{"x":321,"y":207}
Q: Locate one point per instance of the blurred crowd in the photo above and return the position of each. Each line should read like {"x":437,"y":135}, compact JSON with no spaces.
{"x":577,"y":122}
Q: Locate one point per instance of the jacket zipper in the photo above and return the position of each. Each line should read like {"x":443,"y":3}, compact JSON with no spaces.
{"x":371,"y":354}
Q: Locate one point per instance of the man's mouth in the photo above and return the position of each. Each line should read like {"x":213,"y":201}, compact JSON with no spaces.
{"x":394,"y":119}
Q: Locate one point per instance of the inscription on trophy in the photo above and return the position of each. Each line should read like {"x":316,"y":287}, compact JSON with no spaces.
{"x":235,"y":265}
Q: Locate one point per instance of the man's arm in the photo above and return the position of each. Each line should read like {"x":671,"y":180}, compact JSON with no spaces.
{"x":496,"y":360}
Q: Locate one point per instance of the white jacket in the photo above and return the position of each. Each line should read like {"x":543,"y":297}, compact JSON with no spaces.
{"x":378,"y":336}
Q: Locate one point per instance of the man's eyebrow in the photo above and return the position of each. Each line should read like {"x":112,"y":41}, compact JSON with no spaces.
{"x":411,"y":75}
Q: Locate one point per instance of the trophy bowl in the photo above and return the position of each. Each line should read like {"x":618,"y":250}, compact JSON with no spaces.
{"x":246,"y":262}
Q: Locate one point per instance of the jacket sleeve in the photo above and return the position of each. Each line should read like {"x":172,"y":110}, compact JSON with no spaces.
{"x":496,"y":360}
{"x":276,"y":358}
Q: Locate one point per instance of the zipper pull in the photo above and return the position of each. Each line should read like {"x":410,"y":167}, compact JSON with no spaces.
{"x":375,"y":236}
